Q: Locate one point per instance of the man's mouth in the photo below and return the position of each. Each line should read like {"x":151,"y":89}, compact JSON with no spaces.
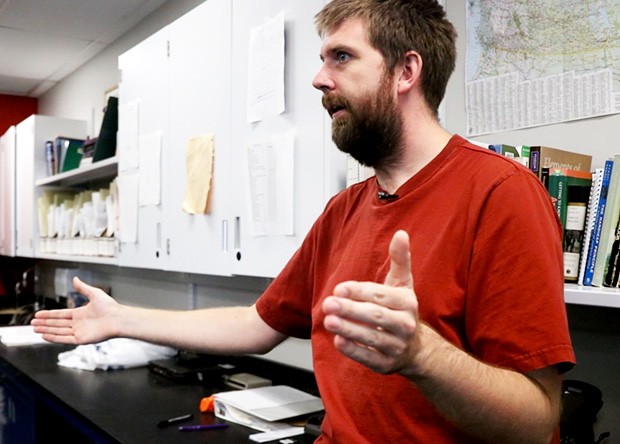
{"x":334,"y":110}
{"x":334,"y":106}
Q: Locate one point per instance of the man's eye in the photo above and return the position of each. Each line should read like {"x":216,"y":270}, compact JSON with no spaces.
{"x":343,"y":57}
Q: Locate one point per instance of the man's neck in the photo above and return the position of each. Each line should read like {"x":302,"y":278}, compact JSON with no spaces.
{"x":420,"y":148}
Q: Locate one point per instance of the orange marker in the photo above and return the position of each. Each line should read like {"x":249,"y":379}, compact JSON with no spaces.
{"x":207,"y":404}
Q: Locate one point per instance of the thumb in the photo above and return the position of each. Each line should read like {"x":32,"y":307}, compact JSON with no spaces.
{"x":82,"y":288}
{"x":399,"y":274}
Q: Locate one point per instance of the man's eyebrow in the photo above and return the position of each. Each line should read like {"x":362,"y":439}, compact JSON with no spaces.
{"x":336,"y":49}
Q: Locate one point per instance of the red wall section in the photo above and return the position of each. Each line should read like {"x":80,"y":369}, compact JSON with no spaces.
{"x":14,"y":109}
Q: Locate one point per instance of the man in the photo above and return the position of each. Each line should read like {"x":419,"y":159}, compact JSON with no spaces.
{"x":472,"y":350}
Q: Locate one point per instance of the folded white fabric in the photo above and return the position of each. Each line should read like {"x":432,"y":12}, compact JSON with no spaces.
{"x":114,"y":354}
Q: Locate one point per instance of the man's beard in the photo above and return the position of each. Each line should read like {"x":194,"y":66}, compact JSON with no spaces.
{"x":371,"y":131}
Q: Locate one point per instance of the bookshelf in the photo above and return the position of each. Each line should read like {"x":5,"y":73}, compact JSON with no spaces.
{"x":85,"y":250}
{"x":103,"y":169}
{"x":592,"y":296}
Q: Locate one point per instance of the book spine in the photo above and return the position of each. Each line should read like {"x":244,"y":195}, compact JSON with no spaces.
{"x":557,"y":187}
{"x":598,"y":224}
{"x":610,"y":221}
{"x":49,"y":157}
{"x":535,"y":160}
{"x":595,"y":195}
{"x":573,"y":239}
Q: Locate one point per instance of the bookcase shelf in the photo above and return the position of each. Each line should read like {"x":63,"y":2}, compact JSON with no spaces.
{"x":80,"y":258}
{"x":103,"y":169}
{"x":594,"y":296}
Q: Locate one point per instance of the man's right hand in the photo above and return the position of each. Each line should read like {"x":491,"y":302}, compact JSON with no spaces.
{"x":90,"y":323}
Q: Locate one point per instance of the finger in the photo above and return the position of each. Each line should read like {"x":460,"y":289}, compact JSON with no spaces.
{"x":364,"y":335}
{"x":53,"y":314}
{"x":345,"y":317}
{"x":399,"y":274}
{"x":394,"y":298}
{"x":60,"y":339}
{"x":368,"y":356}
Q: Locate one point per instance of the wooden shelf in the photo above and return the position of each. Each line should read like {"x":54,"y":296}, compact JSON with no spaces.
{"x":103,"y":169}
{"x":594,"y":296}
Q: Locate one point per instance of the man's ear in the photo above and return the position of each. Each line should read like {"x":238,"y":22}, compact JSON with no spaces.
{"x":410,"y":72}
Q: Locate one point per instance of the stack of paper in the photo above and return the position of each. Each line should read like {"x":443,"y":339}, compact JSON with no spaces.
{"x":20,"y":335}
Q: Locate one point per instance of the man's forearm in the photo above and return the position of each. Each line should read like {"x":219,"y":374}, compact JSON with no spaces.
{"x":230,"y":330}
{"x":494,"y":404}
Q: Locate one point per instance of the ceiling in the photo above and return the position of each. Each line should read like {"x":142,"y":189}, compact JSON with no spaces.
{"x":43,"y":41}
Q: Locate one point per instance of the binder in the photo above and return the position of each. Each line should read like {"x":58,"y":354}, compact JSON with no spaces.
{"x":105,"y":146}
{"x":262,"y":408}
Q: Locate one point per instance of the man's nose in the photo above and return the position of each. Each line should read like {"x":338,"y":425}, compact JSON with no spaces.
{"x":323,"y":81}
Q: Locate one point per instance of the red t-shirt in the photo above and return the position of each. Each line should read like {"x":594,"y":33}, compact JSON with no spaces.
{"x":487,"y":269}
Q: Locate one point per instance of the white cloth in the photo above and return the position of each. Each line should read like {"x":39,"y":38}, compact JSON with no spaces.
{"x":113,"y":354}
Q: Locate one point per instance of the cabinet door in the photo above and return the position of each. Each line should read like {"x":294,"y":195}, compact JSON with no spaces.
{"x":143,"y":133}
{"x":200,"y":85}
{"x":265,"y":255}
{"x":7,"y":193}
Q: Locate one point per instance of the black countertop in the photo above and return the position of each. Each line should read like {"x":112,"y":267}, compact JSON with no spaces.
{"x":125,"y":405}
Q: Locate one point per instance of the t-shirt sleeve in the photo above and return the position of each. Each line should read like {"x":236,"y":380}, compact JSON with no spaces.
{"x":515,"y":312}
{"x":286,"y":304}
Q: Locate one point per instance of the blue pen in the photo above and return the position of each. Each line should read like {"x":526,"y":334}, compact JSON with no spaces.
{"x":191,"y":428}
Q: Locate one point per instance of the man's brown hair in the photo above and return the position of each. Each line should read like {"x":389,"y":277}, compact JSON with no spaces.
{"x":397,"y":26}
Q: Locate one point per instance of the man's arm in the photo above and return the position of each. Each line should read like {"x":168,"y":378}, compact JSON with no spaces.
{"x":378,"y":326}
{"x":233,"y":330}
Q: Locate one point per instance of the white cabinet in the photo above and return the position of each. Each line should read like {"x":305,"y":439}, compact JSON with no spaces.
{"x":319,"y":170}
{"x":7,"y":193}
{"x":199,"y":105}
{"x":143,"y":113}
{"x":190,"y":79}
{"x":30,"y":165}
{"x":179,"y":81}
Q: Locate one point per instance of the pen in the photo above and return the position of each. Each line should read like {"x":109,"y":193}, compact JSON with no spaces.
{"x":167,"y":422}
{"x":192,"y":428}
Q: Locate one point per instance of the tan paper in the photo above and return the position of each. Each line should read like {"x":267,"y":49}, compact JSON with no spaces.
{"x":199,"y":174}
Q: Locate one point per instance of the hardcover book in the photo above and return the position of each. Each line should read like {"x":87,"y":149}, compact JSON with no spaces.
{"x":570,"y":193}
{"x":547,"y":157}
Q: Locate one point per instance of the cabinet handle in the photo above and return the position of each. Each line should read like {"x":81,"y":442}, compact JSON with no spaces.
{"x":224,"y":235}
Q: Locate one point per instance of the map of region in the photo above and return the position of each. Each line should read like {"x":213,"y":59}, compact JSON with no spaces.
{"x":535,"y":62}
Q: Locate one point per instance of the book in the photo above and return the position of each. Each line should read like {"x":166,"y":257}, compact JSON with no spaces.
{"x":72,"y":154}
{"x":62,"y":146}
{"x":609,"y":224}
{"x":612,"y":272}
{"x":505,"y":150}
{"x":524,"y":154}
{"x":598,"y":223}
{"x":570,"y":193}
{"x":547,"y":157}
{"x":88,"y":151}
{"x":595,"y":193}
{"x":49,"y":157}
